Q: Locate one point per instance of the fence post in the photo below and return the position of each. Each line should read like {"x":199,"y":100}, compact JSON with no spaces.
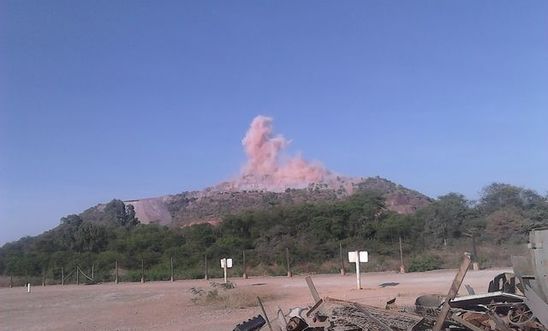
{"x":77,"y":275}
{"x":475,"y":260}
{"x":206,"y":276}
{"x":171,"y":267}
{"x":92,"y":265}
{"x":11,"y":280}
{"x":43,"y":277}
{"x":343,"y":272}
{"x":244,"y":265}
{"x":62,"y":276}
{"x":289,"y":274}
{"x":402,"y":266}
{"x":115,"y":271}
{"x":142,"y":270}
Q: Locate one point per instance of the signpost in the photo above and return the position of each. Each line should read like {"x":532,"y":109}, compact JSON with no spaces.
{"x":358,"y":257}
{"x":225,"y":264}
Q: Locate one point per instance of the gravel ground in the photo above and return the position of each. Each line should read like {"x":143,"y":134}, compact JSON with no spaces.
{"x":168,"y":306}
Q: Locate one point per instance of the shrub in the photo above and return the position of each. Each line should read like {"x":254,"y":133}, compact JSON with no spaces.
{"x":228,"y":296}
{"x":424,"y":263}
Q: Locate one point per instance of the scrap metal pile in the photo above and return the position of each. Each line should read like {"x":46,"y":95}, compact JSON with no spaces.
{"x":515,"y":302}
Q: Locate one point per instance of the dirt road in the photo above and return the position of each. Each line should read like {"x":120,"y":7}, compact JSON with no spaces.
{"x":168,"y":306}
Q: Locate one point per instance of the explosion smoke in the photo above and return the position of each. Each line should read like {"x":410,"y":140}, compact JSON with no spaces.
{"x":265,"y":170}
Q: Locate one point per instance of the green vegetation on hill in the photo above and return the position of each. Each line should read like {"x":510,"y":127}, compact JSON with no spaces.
{"x":311,"y":232}
{"x":212,"y":204}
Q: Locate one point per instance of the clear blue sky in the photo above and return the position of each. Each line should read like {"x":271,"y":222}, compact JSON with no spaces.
{"x":131,"y":99}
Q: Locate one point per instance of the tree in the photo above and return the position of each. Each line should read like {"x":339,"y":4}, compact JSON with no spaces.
{"x":130,"y":219}
{"x":444,"y":218}
{"x":115,"y":213}
{"x":506,"y":225}
{"x":90,"y":237}
{"x":498,"y":196}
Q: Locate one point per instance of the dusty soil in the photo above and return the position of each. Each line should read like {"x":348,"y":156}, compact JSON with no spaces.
{"x":168,"y":306}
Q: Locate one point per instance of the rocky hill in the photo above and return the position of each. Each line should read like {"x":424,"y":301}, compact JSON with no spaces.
{"x":211,"y":204}
{"x":270,"y":178}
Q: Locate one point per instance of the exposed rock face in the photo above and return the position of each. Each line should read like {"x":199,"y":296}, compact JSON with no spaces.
{"x":211,"y":204}
{"x":152,"y":210}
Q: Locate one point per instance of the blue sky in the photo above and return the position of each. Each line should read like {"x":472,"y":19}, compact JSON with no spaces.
{"x":130,"y":99}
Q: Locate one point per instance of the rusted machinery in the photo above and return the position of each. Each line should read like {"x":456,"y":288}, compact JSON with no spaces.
{"x":515,"y":302}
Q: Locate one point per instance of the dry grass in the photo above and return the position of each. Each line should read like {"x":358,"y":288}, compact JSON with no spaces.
{"x":22,"y":281}
{"x":499,"y":256}
{"x":4,"y":281}
{"x":489,"y":255}
{"x":222,"y":296}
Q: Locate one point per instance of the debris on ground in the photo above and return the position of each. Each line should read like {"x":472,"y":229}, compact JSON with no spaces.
{"x":515,"y":302}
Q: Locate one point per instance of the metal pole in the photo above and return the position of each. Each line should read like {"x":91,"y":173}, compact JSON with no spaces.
{"x":77,"y":276}
{"x":92,"y":267}
{"x":244,"y":265}
{"x":287,"y":260}
{"x":224,"y":269}
{"x":62,"y":276}
{"x":116,"y":272}
{"x":171,"y":267}
{"x":11,"y":280}
{"x":343,"y":272}
{"x":358,"y":278}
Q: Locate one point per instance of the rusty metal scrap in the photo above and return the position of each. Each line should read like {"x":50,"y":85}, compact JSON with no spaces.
{"x":345,"y":315}
{"x":515,"y":302}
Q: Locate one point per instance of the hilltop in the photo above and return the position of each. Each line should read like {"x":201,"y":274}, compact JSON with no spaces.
{"x":211,"y":204}
{"x":270,"y":178}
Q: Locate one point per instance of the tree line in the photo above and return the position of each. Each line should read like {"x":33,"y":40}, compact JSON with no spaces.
{"x":313,"y":233}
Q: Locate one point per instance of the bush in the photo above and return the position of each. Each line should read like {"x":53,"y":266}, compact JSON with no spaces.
{"x":424,"y":263}
{"x":228,"y":296}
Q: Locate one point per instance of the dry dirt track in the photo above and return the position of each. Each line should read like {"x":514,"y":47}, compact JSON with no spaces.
{"x":168,"y":306}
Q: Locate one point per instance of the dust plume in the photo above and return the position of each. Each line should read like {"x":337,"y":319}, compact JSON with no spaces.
{"x":268,"y":167}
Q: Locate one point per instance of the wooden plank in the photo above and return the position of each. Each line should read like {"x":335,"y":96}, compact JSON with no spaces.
{"x":264,"y":313}
{"x":457,"y":282}
{"x":311,"y":310}
{"x":312,"y":289}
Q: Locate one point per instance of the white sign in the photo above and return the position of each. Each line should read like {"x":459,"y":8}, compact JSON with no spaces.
{"x":352,"y":257}
{"x":228,"y":263}
{"x":358,"y":257}
{"x":362,"y":254}
{"x":225,"y":264}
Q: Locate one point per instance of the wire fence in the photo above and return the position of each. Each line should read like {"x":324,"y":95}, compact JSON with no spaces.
{"x":245,"y":264}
